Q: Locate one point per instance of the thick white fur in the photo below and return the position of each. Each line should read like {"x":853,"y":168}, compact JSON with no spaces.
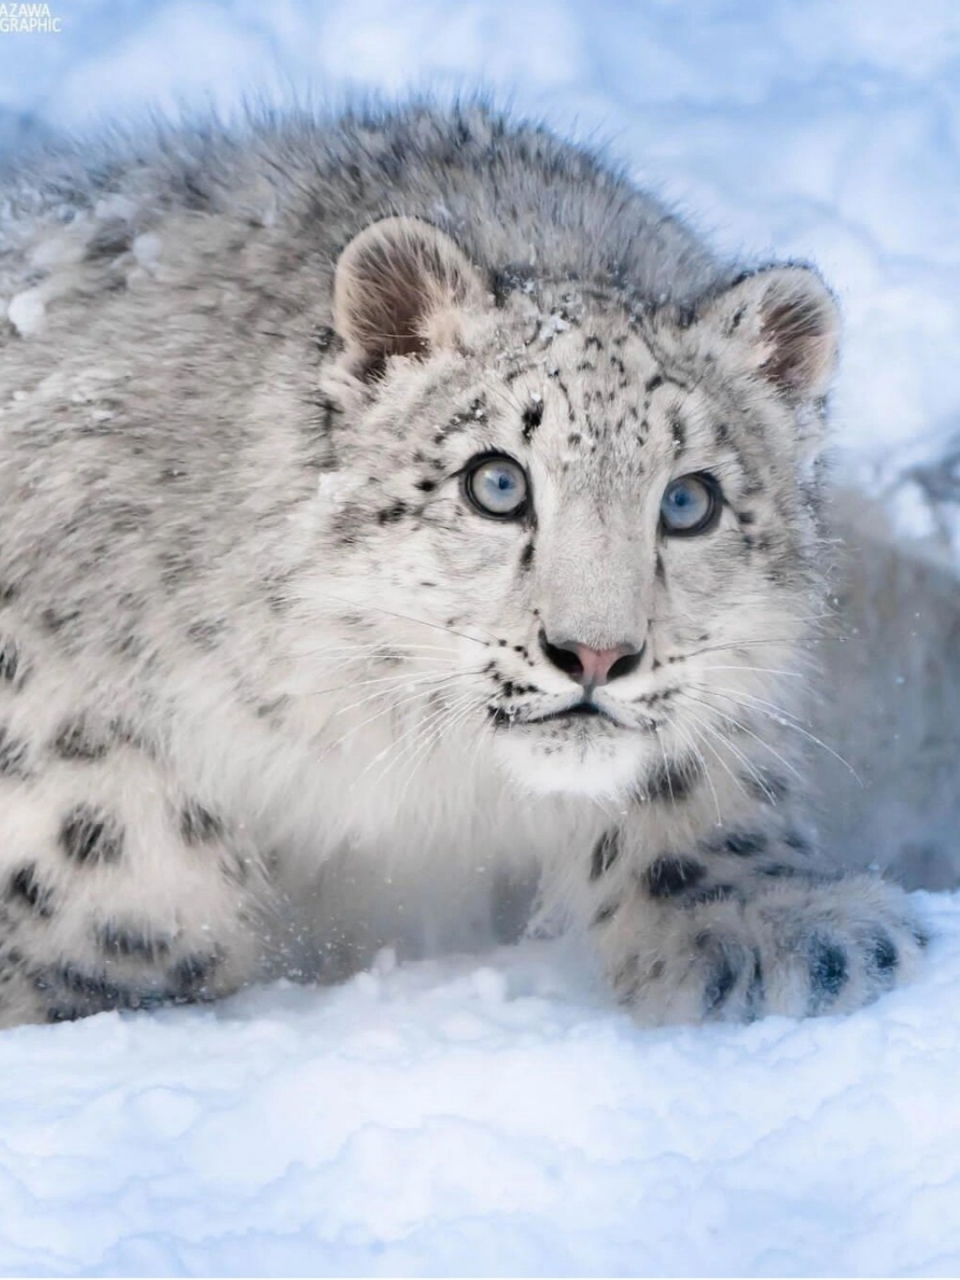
{"x":234,"y":542}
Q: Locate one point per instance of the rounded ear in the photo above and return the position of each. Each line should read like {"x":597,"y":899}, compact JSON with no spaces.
{"x":397,"y":284}
{"x":781,"y":323}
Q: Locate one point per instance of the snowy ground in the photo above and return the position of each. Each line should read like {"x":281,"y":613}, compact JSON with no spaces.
{"x":498,"y":1115}
{"x":485,"y":1117}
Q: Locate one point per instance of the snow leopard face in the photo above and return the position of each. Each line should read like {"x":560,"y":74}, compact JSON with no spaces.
{"x":579,"y":525}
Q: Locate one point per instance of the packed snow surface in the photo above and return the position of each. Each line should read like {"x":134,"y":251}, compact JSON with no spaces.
{"x":497,"y":1114}
{"x":486,"y":1115}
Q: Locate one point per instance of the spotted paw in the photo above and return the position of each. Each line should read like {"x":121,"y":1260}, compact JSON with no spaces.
{"x":795,"y":950}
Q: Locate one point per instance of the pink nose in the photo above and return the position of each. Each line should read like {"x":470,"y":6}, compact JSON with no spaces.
{"x":596,"y":663}
{"x":591,"y":667}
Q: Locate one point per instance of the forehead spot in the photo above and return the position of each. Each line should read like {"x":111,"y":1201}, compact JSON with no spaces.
{"x":532,"y":417}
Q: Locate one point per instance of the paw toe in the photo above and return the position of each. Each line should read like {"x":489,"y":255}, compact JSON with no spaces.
{"x":829,"y":972}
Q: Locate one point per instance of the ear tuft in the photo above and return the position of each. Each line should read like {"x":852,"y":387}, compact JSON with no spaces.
{"x":395,"y":287}
{"x":783,"y":324}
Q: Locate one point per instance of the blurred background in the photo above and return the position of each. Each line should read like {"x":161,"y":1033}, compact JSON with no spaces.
{"x":824,"y":130}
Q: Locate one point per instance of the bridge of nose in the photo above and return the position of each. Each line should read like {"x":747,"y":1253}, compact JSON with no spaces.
{"x":592,"y":583}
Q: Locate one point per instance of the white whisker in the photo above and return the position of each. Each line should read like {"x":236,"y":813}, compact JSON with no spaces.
{"x":744,"y":729}
{"x":681,"y":732}
{"x":781,"y":719}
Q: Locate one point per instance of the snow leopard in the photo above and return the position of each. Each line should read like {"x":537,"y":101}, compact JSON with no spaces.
{"x":399,"y":495}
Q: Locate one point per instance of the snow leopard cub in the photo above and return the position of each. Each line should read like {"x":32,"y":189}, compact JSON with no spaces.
{"x":394,"y":494}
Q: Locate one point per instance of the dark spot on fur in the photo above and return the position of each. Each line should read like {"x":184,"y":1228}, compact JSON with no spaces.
{"x":175,"y":566}
{"x":91,"y":992}
{"x":507,"y":280}
{"x":671,"y":781}
{"x":736,"y":319}
{"x":89,"y":836}
{"x":532,"y":417}
{"x":794,"y":840}
{"x":671,"y":875}
{"x":64,"y":1013}
{"x":526,"y":556}
{"x":24,"y":887}
{"x":745,"y":843}
{"x":661,"y":569}
{"x":606,"y":912}
{"x":9,"y":659}
{"x":653,"y":383}
{"x":426,"y":486}
{"x":783,"y":871}
{"x":883,"y":955}
{"x":273,"y":710}
{"x":189,"y":975}
{"x":206,"y":632}
{"x":722,"y":980}
{"x":390,"y":515}
{"x":756,"y":991}
{"x":95,"y":986}
{"x":626,"y":974}
{"x":13,"y":755}
{"x":685,"y":316}
{"x":198,"y":825}
{"x":605,"y":853}
{"x":324,"y":338}
{"x":56,"y":620}
{"x":110,"y":239}
{"x":712,"y":893}
{"x":828,"y":972}
{"x":234,"y":868}
{"x":76,"y":741}
{"x":767,"y":788}
{"x":130,"y":943}
{"x":678,"y":432}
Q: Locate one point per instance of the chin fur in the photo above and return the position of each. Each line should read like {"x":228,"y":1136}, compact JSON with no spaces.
{"x":590,"y":765}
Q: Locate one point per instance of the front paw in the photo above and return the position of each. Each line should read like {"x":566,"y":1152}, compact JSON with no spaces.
{"x":799,"y":950}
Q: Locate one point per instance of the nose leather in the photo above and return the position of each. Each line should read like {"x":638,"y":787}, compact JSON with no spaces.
{"x":591,"y":667}
{"x":596,"y":663}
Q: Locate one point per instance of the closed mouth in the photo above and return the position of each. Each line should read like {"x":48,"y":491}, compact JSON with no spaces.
{"x":580,"y":710}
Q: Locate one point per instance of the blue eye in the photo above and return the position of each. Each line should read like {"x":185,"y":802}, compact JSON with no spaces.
{"x":690,"y":505}
{"x":496,"y":486}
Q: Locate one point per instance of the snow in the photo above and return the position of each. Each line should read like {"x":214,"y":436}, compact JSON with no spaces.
{"x":496,"y":1114}
{"x":25,"y":311}
{"x":490,"y":1115}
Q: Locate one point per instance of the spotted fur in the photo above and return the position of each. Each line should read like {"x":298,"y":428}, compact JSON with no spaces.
{"x":271,"y":682}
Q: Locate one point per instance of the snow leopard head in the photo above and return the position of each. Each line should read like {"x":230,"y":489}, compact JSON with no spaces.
{"x":570,"y":523}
